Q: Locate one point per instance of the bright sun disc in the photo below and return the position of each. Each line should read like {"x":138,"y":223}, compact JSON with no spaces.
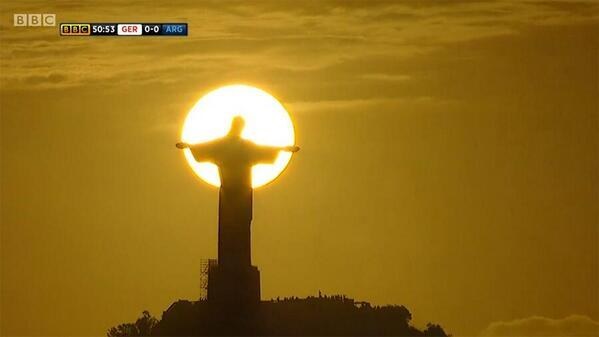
{"x":266,"y":123}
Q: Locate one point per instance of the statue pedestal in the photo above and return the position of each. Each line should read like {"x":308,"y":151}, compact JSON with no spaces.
{"x":234,"y":286}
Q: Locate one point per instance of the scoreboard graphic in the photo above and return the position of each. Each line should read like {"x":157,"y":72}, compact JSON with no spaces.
{"x":123,"y":29}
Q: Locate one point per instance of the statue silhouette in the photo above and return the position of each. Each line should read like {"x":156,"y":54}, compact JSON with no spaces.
{"x":235,"y":158}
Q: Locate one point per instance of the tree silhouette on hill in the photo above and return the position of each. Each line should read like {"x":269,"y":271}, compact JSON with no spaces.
{"x":142,"y":327}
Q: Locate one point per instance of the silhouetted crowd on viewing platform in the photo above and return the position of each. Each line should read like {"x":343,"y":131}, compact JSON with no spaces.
{"x":334,"y":298}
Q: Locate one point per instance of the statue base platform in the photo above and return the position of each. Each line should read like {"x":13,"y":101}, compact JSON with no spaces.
{"x":234,"y":286}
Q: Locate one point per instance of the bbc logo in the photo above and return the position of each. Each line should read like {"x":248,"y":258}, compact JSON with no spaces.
{"x":74,"y":29}
{"x":34,"y":20}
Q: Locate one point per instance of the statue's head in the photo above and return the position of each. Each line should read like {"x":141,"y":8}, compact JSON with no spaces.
{"x":237,"y":126}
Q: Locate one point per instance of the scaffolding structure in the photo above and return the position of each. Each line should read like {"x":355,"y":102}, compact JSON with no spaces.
{"x":205,"y":266}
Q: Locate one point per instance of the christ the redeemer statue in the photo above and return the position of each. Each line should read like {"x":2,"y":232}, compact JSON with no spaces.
{"x":235,"y":158}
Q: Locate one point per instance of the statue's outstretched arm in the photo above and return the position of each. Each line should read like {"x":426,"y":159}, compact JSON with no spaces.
{"x":183,"y":145}
{"x":265,"y":154}
{"x":202,"y":152}
{"x":293,"y":148}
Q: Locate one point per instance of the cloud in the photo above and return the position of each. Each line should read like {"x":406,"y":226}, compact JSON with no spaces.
{"x":574,"y":325}
{"x":401,"y":104}
{"x":50,"y":78}
{"x":386,"y":77}
{"x":229,"y":39}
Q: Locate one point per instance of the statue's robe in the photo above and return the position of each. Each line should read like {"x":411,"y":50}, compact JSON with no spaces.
{"x":234,"y":157}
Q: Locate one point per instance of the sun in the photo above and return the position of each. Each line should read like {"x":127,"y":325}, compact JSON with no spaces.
{"x":267,"y":123}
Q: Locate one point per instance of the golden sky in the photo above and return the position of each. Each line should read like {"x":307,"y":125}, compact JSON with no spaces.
{"x":449,"y":163}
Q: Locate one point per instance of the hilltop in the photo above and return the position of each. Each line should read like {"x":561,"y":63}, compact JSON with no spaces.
{"x":322,"y":316}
